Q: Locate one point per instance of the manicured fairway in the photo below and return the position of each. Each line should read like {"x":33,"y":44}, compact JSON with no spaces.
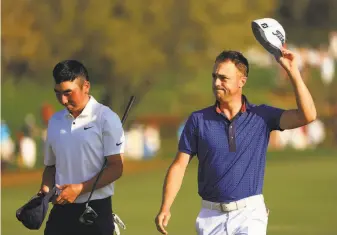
{"x":300,"y":191}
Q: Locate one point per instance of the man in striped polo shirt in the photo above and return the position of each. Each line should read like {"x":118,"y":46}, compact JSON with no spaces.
{"x":230,"y":139}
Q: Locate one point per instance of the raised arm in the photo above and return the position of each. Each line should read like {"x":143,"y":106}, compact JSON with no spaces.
{"x":306,"y":111}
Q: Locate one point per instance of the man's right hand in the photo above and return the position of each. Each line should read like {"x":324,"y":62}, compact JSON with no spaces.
{"x":162,"y":220}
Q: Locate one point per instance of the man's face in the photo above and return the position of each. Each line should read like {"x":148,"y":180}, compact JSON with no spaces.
{"x":72,"y":94}
{"x":227,"y":81}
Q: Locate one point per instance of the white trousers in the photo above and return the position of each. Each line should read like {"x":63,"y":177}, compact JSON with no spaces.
{"x":251,"y":220}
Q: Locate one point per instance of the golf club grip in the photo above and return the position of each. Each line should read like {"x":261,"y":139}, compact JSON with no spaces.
{"x":126,"y":112}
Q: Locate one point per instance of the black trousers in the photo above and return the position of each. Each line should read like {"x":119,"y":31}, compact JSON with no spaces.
{"x":64,"y":219}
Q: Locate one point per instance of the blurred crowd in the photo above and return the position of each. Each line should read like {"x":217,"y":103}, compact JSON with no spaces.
{"x":20,"y":147}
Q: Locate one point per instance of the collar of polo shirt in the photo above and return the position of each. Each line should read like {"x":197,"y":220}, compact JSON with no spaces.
{"x":87,"y":109}
{"x":244,"y":107}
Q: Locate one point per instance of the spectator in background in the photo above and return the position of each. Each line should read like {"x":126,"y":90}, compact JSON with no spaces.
{"x":305,"y":67}
{"x":334,"y":121}
{"x":313,"y":58}
{"x":181,"y":128}
{"x":47,"y":111}
{"x":27,"y":152}
{"x":29,"y":127}
{"x":7,"y":146}
{"x":151,"y":135}
{"x":327,"y":67}
{"x":27,"y":143}
{"x":315,"y":133}
{"x":333,"y":44}
{"x":134,"y":144}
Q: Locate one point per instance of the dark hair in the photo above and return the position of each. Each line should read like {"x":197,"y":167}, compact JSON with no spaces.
{"x":69,"y":70}
{"x":237,"y":58}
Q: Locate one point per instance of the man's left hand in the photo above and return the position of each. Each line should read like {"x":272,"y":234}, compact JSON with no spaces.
{"x":288,"y":60}
{"x":69,"y":193}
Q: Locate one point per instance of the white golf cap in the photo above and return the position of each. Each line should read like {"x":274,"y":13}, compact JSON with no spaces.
{"x":270,"y":34}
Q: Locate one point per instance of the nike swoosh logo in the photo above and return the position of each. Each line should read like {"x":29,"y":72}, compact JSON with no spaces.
{"x":119,"y":143}
{"x":86,"y":128}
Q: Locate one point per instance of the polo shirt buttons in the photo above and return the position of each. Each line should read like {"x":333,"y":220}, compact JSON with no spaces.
{"x":73,"y":123}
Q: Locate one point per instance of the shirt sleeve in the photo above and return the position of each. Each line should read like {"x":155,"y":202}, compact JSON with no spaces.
{"x":272,"y":117}
{"x":188,"y":142}
{"x":112,"y":133}
{"x":49,"y":156}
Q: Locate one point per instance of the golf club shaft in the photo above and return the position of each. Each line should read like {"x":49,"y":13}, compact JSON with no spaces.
{"x":132,"y":99}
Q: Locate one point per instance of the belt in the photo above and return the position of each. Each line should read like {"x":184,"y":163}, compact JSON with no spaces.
{"x":232,"y":206}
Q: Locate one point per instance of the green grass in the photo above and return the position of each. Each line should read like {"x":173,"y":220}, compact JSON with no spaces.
{"x":300,"y":190}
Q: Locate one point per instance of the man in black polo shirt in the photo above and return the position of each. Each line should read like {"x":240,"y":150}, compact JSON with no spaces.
{"x":230,"y":139}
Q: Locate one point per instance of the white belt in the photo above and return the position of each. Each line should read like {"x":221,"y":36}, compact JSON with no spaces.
{"x":232,"y":206}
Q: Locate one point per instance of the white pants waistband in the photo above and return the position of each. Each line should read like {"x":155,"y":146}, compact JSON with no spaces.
{"x":232,"y":206}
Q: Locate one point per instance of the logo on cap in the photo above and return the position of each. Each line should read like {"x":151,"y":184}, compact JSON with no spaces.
{"x":279,"y":35}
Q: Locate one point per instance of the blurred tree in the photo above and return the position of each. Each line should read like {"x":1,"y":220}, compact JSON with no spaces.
{"x":20,"y":40}
{"x":227,"y":24}
{"x":113,"y":39}
{"x":199,"y":30}
{"x":127,"y":44}
{"x":121,"y":45}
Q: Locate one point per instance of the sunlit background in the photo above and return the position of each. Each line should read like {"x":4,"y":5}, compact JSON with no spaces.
{"x":163,"y":52}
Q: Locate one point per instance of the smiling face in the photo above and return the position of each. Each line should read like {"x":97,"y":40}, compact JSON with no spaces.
{"x":227,"y":81}
{"x":73,"y":94}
